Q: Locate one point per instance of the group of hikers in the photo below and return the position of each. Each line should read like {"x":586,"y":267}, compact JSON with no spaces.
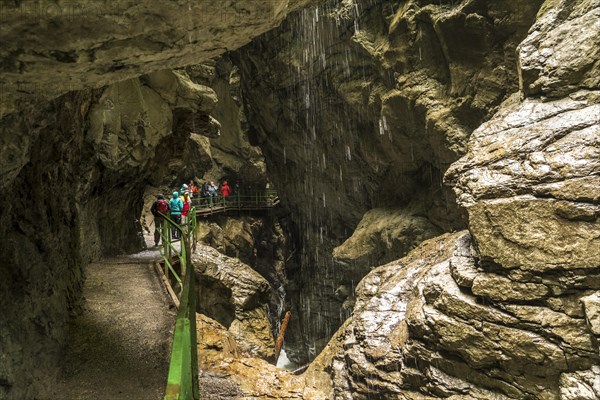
{"x":179,"y":205}
{"x":208,"y":192}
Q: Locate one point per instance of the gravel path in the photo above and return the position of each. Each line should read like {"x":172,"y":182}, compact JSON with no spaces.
{"x":119,"y":346}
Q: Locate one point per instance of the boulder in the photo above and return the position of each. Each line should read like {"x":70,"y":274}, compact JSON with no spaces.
{"x":415,"y":332}
{"x":382,"y":235}
{"x":515,"y":182}
{"x":555,"y":62}
{"x":234,"y":294}
{"x":227,"y":371}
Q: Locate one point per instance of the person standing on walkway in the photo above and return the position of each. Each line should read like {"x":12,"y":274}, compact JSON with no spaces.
{"x":204,"y":193}
{"x":212,"y":192}
{"x":225,"y":189}
{"x":184,"y":187}
{"x":194,"y":190}
{"x":187,"y":205}
{"x":176,"y":206}
{"x":159,"y":210}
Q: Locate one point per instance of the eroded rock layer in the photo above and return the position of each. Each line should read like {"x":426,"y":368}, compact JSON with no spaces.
{"x":362,"y":105}
{"x":50,"y":48}
{"x":508,"y":310}
{"x":420,"y":327}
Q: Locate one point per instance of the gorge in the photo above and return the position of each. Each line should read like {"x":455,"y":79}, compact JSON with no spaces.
{"x":437,"y":164}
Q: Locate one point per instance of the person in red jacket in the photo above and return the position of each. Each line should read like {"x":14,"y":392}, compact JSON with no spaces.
{"x":187,"y":205}
{"x":225,"y":189}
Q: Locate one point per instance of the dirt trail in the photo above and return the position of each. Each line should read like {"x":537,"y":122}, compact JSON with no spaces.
{"x":119,"y":346}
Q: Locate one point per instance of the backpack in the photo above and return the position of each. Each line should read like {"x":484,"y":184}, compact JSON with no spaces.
{"x":161,"y":207}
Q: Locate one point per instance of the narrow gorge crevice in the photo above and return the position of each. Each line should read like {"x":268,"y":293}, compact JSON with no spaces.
{"x":436,"y":164}
{"x":366,"y":108}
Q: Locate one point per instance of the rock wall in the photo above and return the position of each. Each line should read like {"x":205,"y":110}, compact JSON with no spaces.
{"x":361,"y":105}
{"x":261,"y":242}
{"x":94,"y":43}
{"x":423,"y":328}
{"x":508,"y":310}
{"x":72,"y":184}
{"x":77,"y":150}
{"x":236,"y":296}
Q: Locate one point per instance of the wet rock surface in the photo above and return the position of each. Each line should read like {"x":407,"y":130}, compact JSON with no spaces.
{"x":222,"y":359}
{"x":415,"y":331}
{"x":551,"y":66}
{"x":96,"y":44}
{"x":362,"y":105}
{"x":234,"y":294}
{"x":516,"y":179}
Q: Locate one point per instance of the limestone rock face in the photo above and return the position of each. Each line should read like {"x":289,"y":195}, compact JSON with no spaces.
{"x":515,"y":182}
{"x":235,"y":295}
{"x":415,"y":331}
{"x":362,"y":105}
{"x":226,"y":371}
{"x":551,"y":66}
{"x":94,"y":43}
{"x":381,"y":236}
{"x":508,"y":310}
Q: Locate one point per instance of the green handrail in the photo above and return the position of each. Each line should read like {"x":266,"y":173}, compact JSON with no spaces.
{"x":259,"y":199}
{"x":182,"y":381}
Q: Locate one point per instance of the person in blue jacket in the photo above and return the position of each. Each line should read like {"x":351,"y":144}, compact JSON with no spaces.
{"x":176,"y":206}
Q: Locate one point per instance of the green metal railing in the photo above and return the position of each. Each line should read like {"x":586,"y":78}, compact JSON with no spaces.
{"x":182,"y":381}
{"x":245,"y":200}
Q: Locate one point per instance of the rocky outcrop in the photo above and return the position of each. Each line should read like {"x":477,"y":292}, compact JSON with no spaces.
{"x":551,"y":66}
{"x":232,"y":293}
{"x":95,"y":44}
{"x":226,"y":371}
{"x":508,"y":310}
{"x":382,"y":235}
{"x":366,"y":108}
{"x":530,"y":184}
{"x":420,"y":329}
{"x":262,"y":242}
